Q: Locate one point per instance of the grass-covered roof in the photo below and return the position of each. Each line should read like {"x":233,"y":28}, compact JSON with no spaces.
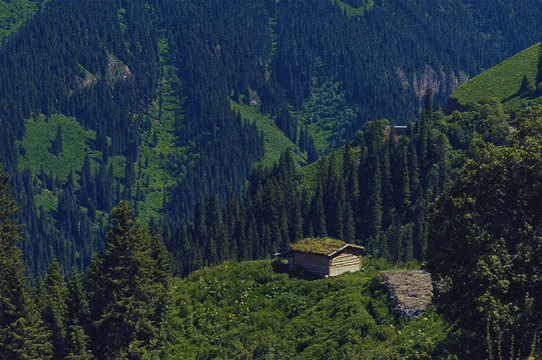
{"x":322,"y":246}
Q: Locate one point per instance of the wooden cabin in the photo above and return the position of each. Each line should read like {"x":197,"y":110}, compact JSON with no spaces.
{"x":324,"y":257}
{"x":400,"y":130}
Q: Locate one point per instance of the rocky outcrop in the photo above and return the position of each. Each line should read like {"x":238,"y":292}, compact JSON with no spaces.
{"x":439,"y":82}
{"x":116,"y":70}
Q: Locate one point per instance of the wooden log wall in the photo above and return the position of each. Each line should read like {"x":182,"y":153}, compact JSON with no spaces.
{"x":316,"y":264}
{"x":344,"y":262}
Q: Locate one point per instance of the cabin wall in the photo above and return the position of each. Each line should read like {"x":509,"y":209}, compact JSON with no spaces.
{"x":344,"y":262}
{"x":316,"y":264}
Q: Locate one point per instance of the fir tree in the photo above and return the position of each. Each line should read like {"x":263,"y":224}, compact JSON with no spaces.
{"x":54,"y":293}
{"x":57,"y":145}
{"x":22,"y":334}
{"x":317,"y":217}
{"x":123,"y":287}
{"x":78,"y":344}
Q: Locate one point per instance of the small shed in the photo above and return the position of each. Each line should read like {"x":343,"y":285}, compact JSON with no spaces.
{"x":324,"y":256}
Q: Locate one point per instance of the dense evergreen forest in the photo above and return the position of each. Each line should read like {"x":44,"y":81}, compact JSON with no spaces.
{"x":127,"y":304}
{"x":375,"y":192}
{"x":111,"y":100}
{"x":134,"y":134}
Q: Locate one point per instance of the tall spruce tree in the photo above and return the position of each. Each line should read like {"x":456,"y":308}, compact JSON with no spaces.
{"x":22,"y":334}
{"x":124,"y":286}
{"x":54,"y":309}
{"x":77,"y":342}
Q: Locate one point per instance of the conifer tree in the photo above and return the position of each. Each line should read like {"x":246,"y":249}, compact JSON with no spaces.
{"x":403,"y":182}
{"x":349,"y":224}
{"x":57,"y":145}
{"x":428,"y":103}
{"x":125,"y":318}
{"x":312,"y":153}
{"x":22,"y":334}
{"x":350,"y":174}
{"x":78,"y":344}
{"x":375,"y":199}
{"x":54,"y":293}
{"x":317,"y":217}
{"x":78,"y":316}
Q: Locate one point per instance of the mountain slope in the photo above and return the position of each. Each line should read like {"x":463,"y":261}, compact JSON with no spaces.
{"x":512,"y":82}
{"x":155,"y":80}
{"x":13,"y":13}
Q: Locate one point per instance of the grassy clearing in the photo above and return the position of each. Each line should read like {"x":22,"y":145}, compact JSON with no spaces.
{"x":40,"y":133}
{"x":275,"y":140}
{"x":502,"y":81}
{"x":76,"y":144}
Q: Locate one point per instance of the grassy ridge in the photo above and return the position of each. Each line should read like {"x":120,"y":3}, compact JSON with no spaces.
{"x":256,"y":310}
{"x":502,"y":81}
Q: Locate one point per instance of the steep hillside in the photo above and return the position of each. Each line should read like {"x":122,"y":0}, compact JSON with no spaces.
{"x":514,"y":82}
{"x":276,"y":142}
{"x":149,"y":87}
{"x":256,"y":310}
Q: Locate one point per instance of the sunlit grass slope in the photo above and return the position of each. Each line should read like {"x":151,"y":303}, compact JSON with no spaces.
{"x":503,"y":81}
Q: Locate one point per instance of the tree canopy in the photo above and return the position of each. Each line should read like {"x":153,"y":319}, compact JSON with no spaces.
{"x":485,"y":242}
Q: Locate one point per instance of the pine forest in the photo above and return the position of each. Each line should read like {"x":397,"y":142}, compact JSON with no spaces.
{"x":155,"y":156}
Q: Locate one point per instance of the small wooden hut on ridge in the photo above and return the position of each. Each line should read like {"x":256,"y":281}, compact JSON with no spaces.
{"x":324,"y":256}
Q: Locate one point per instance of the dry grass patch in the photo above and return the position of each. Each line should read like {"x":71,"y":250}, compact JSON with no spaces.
{"x":410,"y":290}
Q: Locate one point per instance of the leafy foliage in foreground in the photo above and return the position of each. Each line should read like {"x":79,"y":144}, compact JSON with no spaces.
{"x":251,"y":310}
{"x":485,"y":241}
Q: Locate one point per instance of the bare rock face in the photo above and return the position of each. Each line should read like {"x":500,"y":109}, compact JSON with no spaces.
{"x":439,"y":82}
{"x":117,"y":70}
{"x":410,"y":291}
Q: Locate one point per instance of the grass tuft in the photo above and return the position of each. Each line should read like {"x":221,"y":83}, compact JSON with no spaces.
{"x":322,"y":246}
